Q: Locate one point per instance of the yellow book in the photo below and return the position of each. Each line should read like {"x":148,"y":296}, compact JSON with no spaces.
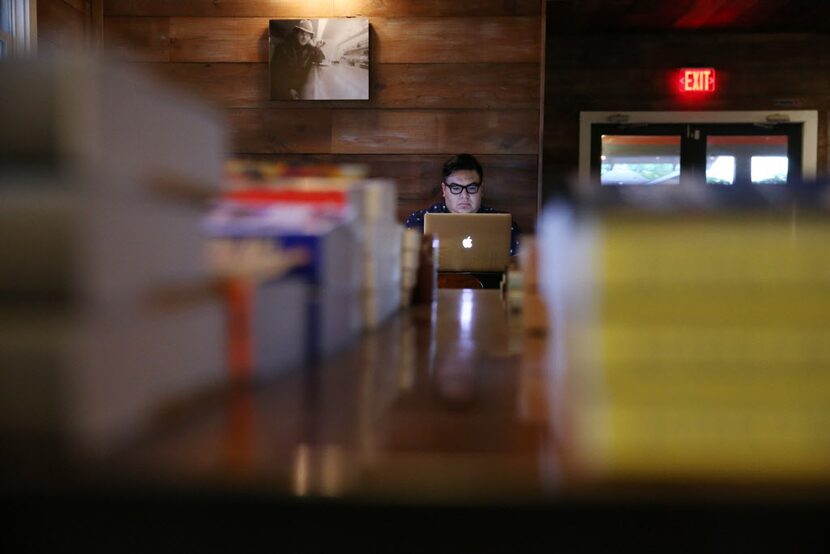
{"x":695,"y":347}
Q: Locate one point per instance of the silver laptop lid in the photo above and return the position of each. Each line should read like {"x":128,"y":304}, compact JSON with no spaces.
{"x":471,"y":242}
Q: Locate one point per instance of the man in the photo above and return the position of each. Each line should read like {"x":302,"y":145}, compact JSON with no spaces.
{"x":462,"y":186}
{"x":291,"y":61}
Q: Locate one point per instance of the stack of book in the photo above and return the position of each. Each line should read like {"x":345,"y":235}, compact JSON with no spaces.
{"x":383,"y":239}
{"x":311,"y":306}
{"x":691,"y":346}
{"x":348,"y":281}
{"x":534,"y":310}
{"x":411,"y":248}
{"x":109,"y":311}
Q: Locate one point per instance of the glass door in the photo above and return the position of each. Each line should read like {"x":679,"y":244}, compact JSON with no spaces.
{"x":637,"y":154}
{"x":752,"y":155}
{"x":731,"y":155}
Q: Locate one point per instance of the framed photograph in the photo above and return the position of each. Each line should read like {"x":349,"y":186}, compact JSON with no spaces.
{"x":319,"y":59}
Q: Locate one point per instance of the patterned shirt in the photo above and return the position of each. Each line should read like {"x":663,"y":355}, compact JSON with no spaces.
{"x":416,"y":221}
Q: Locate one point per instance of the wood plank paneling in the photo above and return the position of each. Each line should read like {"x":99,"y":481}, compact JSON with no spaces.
{"x":396,"y":40}
{"x":144,"y":39}
{"x":79,"y":5}
{"x":422,"y":131}
{"x":419,"y":176}
{"x":510,"y":180}
{"x":221,"y":8}
{"x":321,"y":8}
{"x":281,"y":131}
{"x":493,"y":86}
{"x":95,"y":24}
{"x":383,"y":131}
{"x":447,"y":76}
{"x":60,"y":24}
{"x":229,"y":85}
{"x":476,"y":86}
{"x":438,"y":8}
{"x":457,"y":40}
{"x":219,"y":39}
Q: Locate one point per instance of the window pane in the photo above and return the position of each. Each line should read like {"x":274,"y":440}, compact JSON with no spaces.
{"x":5,"y":29}
{"x":5,"y":20}
{"x":769,"y":170}
{"x":720,"y":170}
{"x":640,"y":160}
{"x":757,"y":159}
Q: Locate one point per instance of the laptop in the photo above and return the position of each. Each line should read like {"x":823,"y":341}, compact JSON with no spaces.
{"x":471,"y":242}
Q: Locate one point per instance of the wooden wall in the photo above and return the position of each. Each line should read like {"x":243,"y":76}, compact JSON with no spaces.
{"x":447,"y":76}
{"x":631,"y":72}
{"x":60,"y":23}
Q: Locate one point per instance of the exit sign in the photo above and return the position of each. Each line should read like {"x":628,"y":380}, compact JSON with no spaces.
{"x":695,"y":80}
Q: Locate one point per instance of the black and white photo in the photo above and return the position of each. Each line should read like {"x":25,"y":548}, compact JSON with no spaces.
{"x":319,"y":59}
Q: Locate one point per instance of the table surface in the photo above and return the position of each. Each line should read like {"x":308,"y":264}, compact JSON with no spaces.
{"x":443,"y":402}
{"x":438,"y":432}
{"x":455,"y":401}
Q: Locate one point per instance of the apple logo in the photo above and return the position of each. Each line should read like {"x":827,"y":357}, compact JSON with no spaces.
{"x":467,"y":242}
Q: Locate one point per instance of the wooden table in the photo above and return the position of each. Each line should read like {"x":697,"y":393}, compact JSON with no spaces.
{"x":434,"y":434}
{"x":439,"y":404}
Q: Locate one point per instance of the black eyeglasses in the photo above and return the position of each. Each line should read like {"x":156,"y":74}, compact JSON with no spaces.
{"x":471,"y":189}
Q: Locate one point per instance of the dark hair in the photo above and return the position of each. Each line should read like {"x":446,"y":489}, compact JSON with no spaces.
{"x":461,"y":162}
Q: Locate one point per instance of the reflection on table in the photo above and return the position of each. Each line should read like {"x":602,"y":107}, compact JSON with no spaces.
{"x":449,"y":417}
{"x":469,"y":280}
{"x":439,"y":404}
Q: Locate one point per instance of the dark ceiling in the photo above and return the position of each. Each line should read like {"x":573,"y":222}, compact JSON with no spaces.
{"x":626,"y":16}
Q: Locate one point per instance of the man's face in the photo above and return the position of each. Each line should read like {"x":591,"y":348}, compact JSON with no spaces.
{"x":303,"y":37}
{"x":464,"y":202}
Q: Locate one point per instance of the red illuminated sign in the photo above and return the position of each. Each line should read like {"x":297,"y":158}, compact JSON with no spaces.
{"x":697,"y":79}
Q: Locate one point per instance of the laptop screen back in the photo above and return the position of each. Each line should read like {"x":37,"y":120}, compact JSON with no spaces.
{"x":471,"y":242}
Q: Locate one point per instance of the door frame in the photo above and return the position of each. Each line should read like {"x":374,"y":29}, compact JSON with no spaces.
{"x":808,"y":119}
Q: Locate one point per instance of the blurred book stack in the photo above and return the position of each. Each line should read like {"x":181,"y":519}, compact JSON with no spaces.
{"x":382,"y":252}
{"x":521,"y":292}
{"x":108,"y":308}
{"x":410,"y":261}
{"x":534,"y":311}
{"x":350,"y":280}
{"x":690,"y":346}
